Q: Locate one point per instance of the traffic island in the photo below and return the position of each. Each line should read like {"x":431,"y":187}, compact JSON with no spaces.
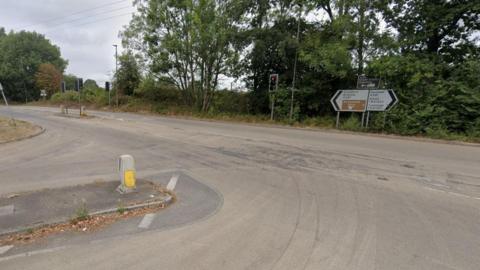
{"x":14,"y":130}
{"x":27,"y":217}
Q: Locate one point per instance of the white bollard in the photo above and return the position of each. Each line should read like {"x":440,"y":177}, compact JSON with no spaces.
{"x":126,"y":167}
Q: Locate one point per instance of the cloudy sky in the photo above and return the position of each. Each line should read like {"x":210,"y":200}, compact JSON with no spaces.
{"x":84,"y":30}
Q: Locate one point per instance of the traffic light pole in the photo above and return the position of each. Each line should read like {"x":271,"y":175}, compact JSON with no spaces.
{"x":116,"y":74}
{"x":272,"y":95}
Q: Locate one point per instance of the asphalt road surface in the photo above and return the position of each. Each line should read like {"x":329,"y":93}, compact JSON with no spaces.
{"x":254,"y":197}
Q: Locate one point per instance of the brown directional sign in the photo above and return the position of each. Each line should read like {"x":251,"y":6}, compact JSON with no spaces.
{"x":353,"y":105}
{"x":350,"y":100}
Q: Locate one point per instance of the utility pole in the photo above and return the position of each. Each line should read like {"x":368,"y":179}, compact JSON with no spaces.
{"x":116,"y":73}
{"x":6,"y":104}
{"x":295,"y":64}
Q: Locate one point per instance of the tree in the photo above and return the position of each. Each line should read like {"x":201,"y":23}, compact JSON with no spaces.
{"x":443,"y":27}
{"x":128,"y":75}
{"x":21,"y":54}
{"x":189,"y":41}
{"x":70,"y":81}
{"x":49,"y":78}
{"x":91,"y":84}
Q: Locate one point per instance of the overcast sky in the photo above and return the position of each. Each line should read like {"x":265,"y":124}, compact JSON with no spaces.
{"x":84,"y":30}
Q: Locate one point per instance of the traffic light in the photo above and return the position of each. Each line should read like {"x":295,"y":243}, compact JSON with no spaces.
{"x":107,"y":86}
{"x":77,"y":85}
{"x":64,"y":87}
{"x":80,"y":83}
{"x":273,"y":83}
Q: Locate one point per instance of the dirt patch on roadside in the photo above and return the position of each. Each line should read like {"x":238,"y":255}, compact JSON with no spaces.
{"x":84,"y":225}
{"x":13,"y":130}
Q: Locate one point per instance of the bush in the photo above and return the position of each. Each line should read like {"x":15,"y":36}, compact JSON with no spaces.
{"x":67,"y":97}
{"x":226,"y":101}
{"x":321,"y":121}
{"x":160,"y":91}
{"x":352,"y":123}
{"x":95,"y":96}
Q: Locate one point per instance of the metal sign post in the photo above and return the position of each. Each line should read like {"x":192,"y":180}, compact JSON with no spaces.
{"x":6,"y":104}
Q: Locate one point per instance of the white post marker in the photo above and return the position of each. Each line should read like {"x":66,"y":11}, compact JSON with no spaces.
{"x":126,"y":167}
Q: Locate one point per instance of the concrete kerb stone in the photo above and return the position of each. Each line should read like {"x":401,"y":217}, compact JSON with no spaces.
{"x":166,"y":201}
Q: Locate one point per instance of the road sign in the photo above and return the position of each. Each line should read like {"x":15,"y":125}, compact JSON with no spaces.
{"x":381,"y":100}
{"x":350,"y":100}
{"x":43,"y":93}
{"x":367,"y":83}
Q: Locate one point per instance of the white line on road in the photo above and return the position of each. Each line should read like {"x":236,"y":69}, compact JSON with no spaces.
{"x":5,"y":249}
{"x":31,"y":253}
{"x":7,"y":210}
{"x":173,"y":182}
{"x":146,"y":221}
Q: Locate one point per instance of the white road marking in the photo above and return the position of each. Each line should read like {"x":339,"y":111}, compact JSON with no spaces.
{"x":146,"y":221}
{"x":173,"y":182}
{"x":31,"y":253}
{"x":7,"y":210}
{"x":5,"y":249}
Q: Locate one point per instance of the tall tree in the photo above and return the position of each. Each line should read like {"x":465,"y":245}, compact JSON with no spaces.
{"x":443,"y":27}
{"x":128,"y":75}
{"x":49,"y":78}
{"x":21,"y":54}
{"x":189,"y":41}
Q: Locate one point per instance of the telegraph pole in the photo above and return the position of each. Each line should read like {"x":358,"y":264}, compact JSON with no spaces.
{"x":6,"y":104}
{"x":295,"y":64}
{"x":116,"y":73}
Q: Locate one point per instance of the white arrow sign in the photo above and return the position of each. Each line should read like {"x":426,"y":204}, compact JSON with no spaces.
{"x":381,"y":100}
{"x":364,"y":100}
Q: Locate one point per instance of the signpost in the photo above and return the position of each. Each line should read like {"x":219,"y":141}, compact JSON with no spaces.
{"x":358,"y":100}
{"x":6,"y":104}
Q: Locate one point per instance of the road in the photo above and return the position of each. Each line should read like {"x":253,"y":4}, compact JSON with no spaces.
{"x":285,"y":198}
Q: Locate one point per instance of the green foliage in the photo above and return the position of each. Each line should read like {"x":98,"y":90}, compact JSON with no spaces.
{"x":67,"y":97}
{"x":162,"y":90}
{"x":95,"y":95}
{"x":179,"y":52}
{"x":128,"y":75}
{"x":227,"y":101}
{"x":352,"y":123}
{"x":21,"y":54}
{"x":189,"y":41}
{"x":69,"y":80}
{"x":81,"y":213}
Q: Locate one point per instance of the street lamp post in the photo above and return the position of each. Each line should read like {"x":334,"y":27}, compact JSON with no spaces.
{"x":295,"y":64}
{"x":116,"y":75}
